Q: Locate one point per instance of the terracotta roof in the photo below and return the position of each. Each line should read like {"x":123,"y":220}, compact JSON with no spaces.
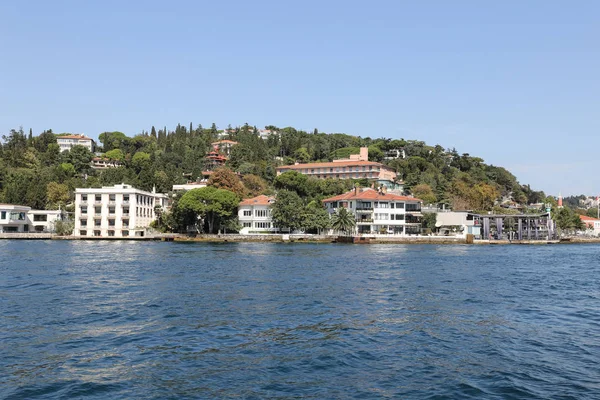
{"x":586,"y":218}
{"x":224,"y":141}
{"x":333,"y":164}
{"x":261,"y":200}
{"x":370,"y":194}
{"x":73,"y":137}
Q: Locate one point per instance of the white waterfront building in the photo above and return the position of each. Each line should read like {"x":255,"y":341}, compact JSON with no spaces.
{"x":22,"y":219}
{"x":116,"y":211}
{"x":255,"y":215}
{"x":379,"y":212}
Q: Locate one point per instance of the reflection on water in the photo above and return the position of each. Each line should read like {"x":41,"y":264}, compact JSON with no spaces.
{"x":167,"y":320}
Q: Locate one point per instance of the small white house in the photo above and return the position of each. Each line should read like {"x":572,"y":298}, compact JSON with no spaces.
{"x":66,"y":142}
{"x":22,"y":219}
{"x":255,"y":215}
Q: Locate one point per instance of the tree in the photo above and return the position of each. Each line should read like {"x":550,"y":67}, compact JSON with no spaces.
{"x":425,"y":193}
{"x":255,"y":185}
{"x":112,"y":140}
{"x":224,"y":178}
{"x":211,"y":205}
{"x":429,"y":220}
{"x":315,"y":218}
{"x":57,"y":195}
{"x":80,"y":157}
{"x":115,"y":155}
{"x":285,"y":210}
{"x":343,"y":221}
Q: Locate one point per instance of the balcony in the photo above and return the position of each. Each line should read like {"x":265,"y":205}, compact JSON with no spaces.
{"x":364,"y":208}
{"x":364,"y":221}
{"x":83,"y":202}
{"x":83,"y":216}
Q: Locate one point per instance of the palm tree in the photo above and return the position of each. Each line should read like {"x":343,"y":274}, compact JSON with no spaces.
{"x":343,"y":220}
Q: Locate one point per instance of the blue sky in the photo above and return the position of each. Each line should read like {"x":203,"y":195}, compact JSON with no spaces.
{"x":515,"y":82}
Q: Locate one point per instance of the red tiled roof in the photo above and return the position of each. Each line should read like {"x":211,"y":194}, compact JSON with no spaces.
{"x":370,"y":194}
{"x":73,"y":137}
{"x":586,"y":218}
{"x":261,"y":200}
{"x":224,"y":141}
{"x":333,"y":164}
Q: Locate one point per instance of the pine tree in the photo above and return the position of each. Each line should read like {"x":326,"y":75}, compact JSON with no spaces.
{"x":153,"y":132}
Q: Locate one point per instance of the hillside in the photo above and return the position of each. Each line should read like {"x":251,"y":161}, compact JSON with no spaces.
{"x":35,"y":173}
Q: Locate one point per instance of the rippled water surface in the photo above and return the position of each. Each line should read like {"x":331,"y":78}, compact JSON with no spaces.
{"x":124,"y":320}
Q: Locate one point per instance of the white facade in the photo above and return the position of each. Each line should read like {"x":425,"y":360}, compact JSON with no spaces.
{"x":66,"y":142}
{"x":115,"y":211}
{"x":377,"y":212}
{"x":467,"y":222}
{"x":255,"y":215}
{"x":22,"y":219}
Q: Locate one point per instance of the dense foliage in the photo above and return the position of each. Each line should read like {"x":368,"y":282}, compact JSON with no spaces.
{"x":34,"y":172}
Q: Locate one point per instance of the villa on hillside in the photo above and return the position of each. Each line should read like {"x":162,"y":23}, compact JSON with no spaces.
{"x":66,"y":142}
{"x":357,"y":166}
{"x":22,"y":219}
{"x":116,"y":211}
{"x":379,"y":212}
{"x":255,"y":215}
{"x":223,"y":146}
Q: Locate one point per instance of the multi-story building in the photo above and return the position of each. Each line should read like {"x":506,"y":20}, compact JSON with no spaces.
{"x":255,"y":215}
{"x":22,"y":219}
{"x":66,"y":142}
{"x":357,"y":166}
{"x":119,"y":211}
{"x":379,"y":212}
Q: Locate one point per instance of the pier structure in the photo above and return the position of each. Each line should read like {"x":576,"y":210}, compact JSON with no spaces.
{"x":518,"y":227}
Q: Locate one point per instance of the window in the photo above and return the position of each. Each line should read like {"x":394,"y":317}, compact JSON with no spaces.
{"x":3,"y":215}
{"x":125,"y":233}
{"x":111,"y":210}
{"x":126,"y":198}
{"x":261,"y":213}
{"x":84,"y":210}
{"x":82,"y":233}
{"x":262,"y":225}
{"x":111,"y":233}
{"x":111,"y":197}
{"x":98,"y":210}
{"x":84,"y":222}
{"x":84,"y":197}
{"x":111,"y":222}
{"x":98,"y":198}
{"x":97,"y":222}
{"x":383,"y":204}
{"x":96,"y":233}
{"x":247,"y":213}
{"x":399,"y":205}
{"x":247,"y":224}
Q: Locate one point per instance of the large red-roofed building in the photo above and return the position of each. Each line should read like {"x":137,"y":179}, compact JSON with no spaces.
{"x":379,"y":212}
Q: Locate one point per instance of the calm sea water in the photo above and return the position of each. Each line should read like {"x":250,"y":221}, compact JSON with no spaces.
{"x":123,"y":320}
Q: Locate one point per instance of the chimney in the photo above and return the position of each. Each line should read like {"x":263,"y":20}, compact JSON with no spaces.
{"x":356,"y":190}
{"x":364,"y":154}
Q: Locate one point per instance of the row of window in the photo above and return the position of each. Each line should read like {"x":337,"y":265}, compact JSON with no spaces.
{"x":386,"y":216}
{"x":259,"y":225}
{"x":340,"y":169}
{"x":258,"y":213}
{"x":15,"y":216}
{"x":98,"y":223}
{"x":99,"y":233}
{"x":139,"y":211}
